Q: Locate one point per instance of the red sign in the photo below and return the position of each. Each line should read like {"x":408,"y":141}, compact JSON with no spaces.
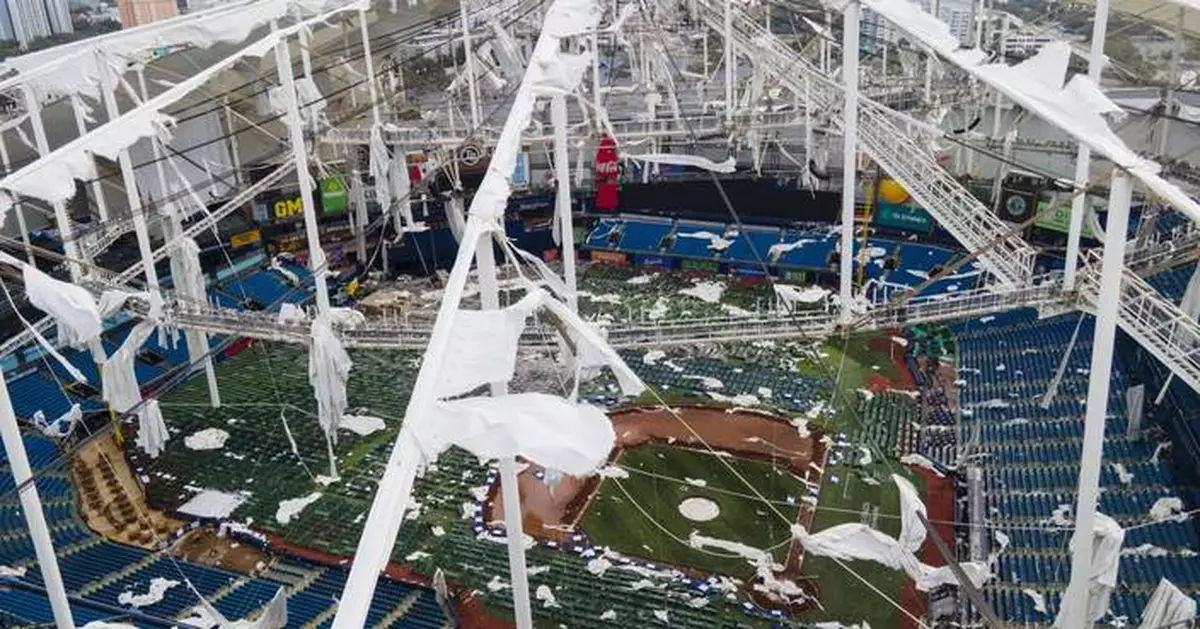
{"x":606,"y":175}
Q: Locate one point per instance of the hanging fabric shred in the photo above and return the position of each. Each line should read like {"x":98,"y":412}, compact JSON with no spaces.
{"x":152,"y":429}
{"x":60,"y":427}
{"x":120,"y":386}
{"x":1107,"y":538}
{"x":328,"y":369}
{"x":73,"y":307}
{"x":380,"y":167}
{"x":857,"y":541}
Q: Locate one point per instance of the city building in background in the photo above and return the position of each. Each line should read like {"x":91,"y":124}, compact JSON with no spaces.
{"x":23,"y":21}
{"x":139,"y":12}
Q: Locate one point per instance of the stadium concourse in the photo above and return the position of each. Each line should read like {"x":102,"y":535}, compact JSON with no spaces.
{"x":342,"y":314}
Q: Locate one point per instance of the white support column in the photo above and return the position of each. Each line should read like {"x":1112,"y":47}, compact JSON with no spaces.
{"x":370,"y":68}
{"x":470,"y":68}
{"x":596,"y":100}
{"x":729,"y":69}
{"x":234,"y":148}
{"x":849,"y":152}
{"x":489,"y":298}
{"x":1103,"y":339}
{"x":18,"y":208}
{"x":361,"y":218}
{"x":562,"y":177}
{"x":1084,"y":155}
{"x":35,"y":518}
{"x":61,"y":220}
{"x":81,"y":125}
{"x":1172,"y":85}
{"x":135,"y":203}
{"x":826,"y":45}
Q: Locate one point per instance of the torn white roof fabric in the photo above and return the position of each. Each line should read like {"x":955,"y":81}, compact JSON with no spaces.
{"x":378,"y":163}
{"x":119,"y":381}
{"x":73,"y":307}
{"x":61,"y":426}
{"x":328,"y":370}
{"x":1037,"y":84}
{"x":1105,"y":545}
{"x":483,"y":348}
{"x":1168,"y":607}
{"x":695,"y":161}
{"x":912,"y":531}
{"x":553,"y":432}
{"x":152,"y":429}
{"x":855,"y":540}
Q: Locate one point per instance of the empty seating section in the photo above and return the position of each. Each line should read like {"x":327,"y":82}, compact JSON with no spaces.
{"x":35,"y":391}
{"x":1030,"y":461}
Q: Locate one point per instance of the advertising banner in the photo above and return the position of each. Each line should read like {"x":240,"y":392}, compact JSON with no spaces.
{"x":334,"y":194}
{"x":245,"y":238}
{"x":609,"y":257}
{"x":903,"y":217}
{"x":1059,"y":220}
{"x":606,"y":176}
{"x":520,"y":175}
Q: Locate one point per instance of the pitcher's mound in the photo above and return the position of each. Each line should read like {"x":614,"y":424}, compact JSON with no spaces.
{"x":699,"y":509}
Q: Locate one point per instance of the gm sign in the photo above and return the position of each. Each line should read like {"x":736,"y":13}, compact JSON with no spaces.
{"x":289,"y":207}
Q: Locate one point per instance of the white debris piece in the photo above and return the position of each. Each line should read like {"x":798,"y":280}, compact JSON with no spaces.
{"x":653,"y":356}
{"x":662,"y":615}
{"x":292,"y":507}
{"x":206,"y":439}
{"x":154,"y":594}
{"x":698,"y":482}
{"x":921,"y":461}
{"x":497,"y":584}
{"x":1039,"y":600}
{"x":212,"y":504}
{"x":750,"y":553}
{"x":608,"y":615}
{"x":1105,"y":547}
{"x":362,"y":425}
{"x":640,"y":280}
{"x":708,"y":382}
{"x":598,"y":566}
{"x":546,"y":596}
{"x":1124,"y":475}
{"x":612,"y":471}
{"x":741,"y":399}
{"x":705,"y":291}
{"x":12,"y":571}
{"x":715,"y":242}
{"x":1167,"y":508}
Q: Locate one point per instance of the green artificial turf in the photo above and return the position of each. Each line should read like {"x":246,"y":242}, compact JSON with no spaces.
{"x":616,"y":518}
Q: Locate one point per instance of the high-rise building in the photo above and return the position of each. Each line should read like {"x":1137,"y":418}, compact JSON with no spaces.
{"x":139,"y":12}
{"x":23,"y":21}
{"x":875,"y":31}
